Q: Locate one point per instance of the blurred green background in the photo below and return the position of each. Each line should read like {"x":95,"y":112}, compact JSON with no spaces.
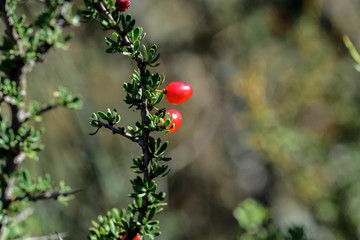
{"x":274,"y":116}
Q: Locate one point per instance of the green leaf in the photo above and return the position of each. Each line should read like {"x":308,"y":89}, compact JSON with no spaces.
{"x":109,"y":115}
{"x":139,"y":202}
{"x":162,"y":149}
{"x":350,"y":46}
{"x":136,"y":45}
{"x":118,"y":118}
{"x":111,"y":50}
{"x":115,"y":36}
{"x":152,"y":213}
{"x":152,"y":144}
{"x":148,"y":94}
{"x":110,"y":42}
{"x":146,"y":57}
{"x":137,"y":33}
{"x":102,"y":115}
{"x":94,"y":116}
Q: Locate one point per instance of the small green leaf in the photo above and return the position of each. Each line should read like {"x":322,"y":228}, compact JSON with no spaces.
{"x":137,"y":32}
{"x":152,"y":213}
{"x":162,"y":149}
{"x":145,"y":53}
{"x":115,"y":36}
{"x":148,"y":94}
{"x":102,"y":115}
{"x":118,"y":118}
{"x":136,"y":45}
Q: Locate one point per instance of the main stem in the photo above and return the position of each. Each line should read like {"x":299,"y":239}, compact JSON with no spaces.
{"x":145,"y":133}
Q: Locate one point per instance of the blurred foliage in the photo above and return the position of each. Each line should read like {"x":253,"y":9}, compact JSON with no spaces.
{"x":274,"y":116}
{"x":24,"y":44}
{"x":255,"y":224}
{"x":305,"y":121}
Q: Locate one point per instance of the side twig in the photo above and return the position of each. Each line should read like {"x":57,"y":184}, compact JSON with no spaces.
{"x":122,"y":133}
{"x":47,"y":195}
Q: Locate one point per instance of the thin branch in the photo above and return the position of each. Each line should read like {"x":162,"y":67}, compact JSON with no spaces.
{"x":23,"y":215}
{"x":57,"y":236}
{"x":41,"y":111}
{"x":122,"y":133}
{"x":47,"y":195}
{"x":19,"y":218}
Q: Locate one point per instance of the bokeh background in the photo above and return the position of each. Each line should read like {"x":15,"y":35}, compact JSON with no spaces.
{"x":274,"y":116}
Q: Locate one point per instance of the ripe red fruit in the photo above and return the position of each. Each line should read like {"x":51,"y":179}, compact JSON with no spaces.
{"x":122,"y":5}
{"x":176,"y":119}
{"x":137,"y":237}
{"x":178,"y":92}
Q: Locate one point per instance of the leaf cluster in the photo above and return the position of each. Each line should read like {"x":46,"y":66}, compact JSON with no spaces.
{"x":26,"y":140}
{"x":10,"y":92}
{"x":127,"y":38}
{"x":134,"y":94}
{"x":29,"y":189}
{"x":118,"y":224}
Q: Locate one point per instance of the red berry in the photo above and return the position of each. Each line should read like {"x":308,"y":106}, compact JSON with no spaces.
{"x":176,"y":119}
{"x":178,"y":92}
{"x":122,"y":5}
{"x":137,"y":237}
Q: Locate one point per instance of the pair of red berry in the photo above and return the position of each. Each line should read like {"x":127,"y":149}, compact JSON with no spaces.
{"x":177,"y":93}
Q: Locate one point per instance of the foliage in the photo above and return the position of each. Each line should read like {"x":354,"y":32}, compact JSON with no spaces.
{"x":304,"y":121}
{"x":25,"y":44}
